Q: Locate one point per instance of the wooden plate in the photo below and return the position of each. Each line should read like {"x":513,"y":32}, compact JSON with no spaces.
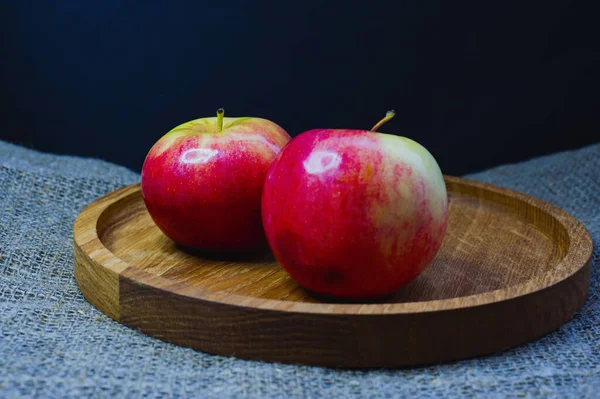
{"x":512,"y":268}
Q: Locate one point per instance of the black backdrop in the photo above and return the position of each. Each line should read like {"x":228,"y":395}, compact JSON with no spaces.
{"x":478,"y":83}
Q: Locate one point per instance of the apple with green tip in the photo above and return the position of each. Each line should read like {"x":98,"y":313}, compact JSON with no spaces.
{"x":354,"y":213}
{"x":202,"y":181}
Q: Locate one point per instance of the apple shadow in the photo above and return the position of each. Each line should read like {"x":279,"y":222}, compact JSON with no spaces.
{"x":332,"y":299}
{"x":262,"y":255}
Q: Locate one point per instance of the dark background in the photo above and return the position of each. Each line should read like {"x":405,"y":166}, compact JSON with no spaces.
{"x":478,"y":83}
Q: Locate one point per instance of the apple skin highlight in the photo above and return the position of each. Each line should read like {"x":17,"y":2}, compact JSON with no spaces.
{"x":353,"y":213}
{"x":203,"y":186}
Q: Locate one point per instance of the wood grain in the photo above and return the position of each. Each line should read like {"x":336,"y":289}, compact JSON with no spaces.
{"x":512,"y":268}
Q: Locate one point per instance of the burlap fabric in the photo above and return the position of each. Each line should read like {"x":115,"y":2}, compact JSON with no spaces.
{"x":55,"y":344}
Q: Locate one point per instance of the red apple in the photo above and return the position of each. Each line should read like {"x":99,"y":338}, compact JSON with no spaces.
{"x":354,"y":213}
{"x":202,"y":181}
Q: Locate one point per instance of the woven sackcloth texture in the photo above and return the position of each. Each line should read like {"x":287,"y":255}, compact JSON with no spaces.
{"x":55,"y":344}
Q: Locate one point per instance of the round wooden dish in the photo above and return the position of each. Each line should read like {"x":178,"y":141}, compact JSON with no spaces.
{"x":512,"y":268}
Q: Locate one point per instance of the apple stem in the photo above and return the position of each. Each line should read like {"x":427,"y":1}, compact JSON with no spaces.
{"x":388,"y":115}
{"x":220,"y":113}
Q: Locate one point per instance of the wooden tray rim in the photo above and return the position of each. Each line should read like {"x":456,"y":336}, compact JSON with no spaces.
{"x":85,"y":235}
